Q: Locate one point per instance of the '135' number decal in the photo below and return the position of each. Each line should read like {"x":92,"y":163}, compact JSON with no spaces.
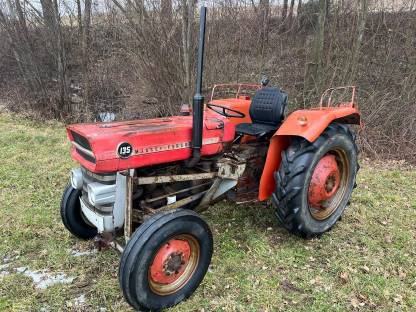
{"x":124,"y":150}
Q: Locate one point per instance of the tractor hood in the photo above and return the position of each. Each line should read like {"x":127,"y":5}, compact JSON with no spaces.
{"x":116,"y":146}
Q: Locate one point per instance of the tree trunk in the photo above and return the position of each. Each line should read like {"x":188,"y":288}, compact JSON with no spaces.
{"x":79,"y":20}
{"x":61,"y":59}
{"x":313,"y":75}
{"x":85,"y":52}
{"x":292,"y":5}
{"x":264,"y":9}
{"x":187,"y":22}
{"x":166,"y":11}
{"x":299,"y":9}
{"x":29,"y":61}
{"x":53,"y":23}
{"x":362,"y":18}
{"x":284,"y":9}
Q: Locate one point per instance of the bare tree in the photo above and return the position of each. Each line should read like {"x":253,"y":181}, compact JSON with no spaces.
{"x":264,"y":9}
{"x":138,"y":56}
{"x":85,"y":50}
{"x":79,"y":19}
{"x":314,"y":66}
{"x":291,"y":8}
{"x":362,"y":18}
{"x":187,"y":23}
{"x":53,"y":23}
{"x":19,"y":39}
{"x":284,"y":9}
{"x":166,"y":11}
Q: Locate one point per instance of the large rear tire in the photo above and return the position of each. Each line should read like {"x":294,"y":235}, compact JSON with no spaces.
{"x":315,"y":181}
{"x":165,"y":260}
{"x":72,"y":217}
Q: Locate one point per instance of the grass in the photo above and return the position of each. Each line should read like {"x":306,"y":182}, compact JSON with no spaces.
{"x":367,"y":262}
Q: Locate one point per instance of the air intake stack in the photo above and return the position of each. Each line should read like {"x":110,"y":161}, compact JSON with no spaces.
{"x":198,"y":100}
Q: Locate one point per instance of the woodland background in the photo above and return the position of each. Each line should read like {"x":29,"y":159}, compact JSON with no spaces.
{"x":73,"y":59}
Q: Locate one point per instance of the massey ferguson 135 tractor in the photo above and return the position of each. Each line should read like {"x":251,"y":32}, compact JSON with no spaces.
{"x":147,"y":179}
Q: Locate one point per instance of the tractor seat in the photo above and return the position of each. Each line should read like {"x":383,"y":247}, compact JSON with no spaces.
{"x":266,"y":112}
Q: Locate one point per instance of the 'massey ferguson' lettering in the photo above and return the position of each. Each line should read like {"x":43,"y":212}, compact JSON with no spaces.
{"x":171,"y":147}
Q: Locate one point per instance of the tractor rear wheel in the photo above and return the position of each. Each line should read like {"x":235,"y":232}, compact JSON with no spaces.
{"x":72,"y":216}
{"x":165,"y":260}
{"x":315,"y":181}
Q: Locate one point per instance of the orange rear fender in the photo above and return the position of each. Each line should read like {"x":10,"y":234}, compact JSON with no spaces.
{"x":308,"y":124}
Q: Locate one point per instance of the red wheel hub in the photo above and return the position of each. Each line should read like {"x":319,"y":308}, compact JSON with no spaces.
{"x":170,"y":261}
{"x":325,"y":181}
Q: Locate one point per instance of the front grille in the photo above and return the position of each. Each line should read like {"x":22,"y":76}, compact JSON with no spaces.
{"x":89,"y":177}
{"x":82,"y":141}
{"x":105,"y":178}
{"x":86,"y":156}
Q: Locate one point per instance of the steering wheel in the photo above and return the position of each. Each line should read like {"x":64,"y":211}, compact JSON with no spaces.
{"x":223,"y":111}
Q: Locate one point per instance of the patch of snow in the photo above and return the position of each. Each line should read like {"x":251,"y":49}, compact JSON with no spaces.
{"x":43,"y":279}
{"x":80,"y":301}
{"x":77,"y":253}
{"x":7,"y":259}
{"x":4,"y":273}
{"x":21,"y":269}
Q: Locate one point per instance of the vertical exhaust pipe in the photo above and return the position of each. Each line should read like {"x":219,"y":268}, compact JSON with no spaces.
{"x":198,"y":100}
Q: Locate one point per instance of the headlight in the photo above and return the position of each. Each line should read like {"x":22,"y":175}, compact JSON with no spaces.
{"x":76,"y":178}
{"x":101,"y":194}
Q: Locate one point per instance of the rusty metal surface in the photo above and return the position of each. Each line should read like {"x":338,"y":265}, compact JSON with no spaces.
{"x":174,"y":178}
{"x":337,"y":189}
{"x":129,"y":206}
{"x":107,"y":240}
{"x":192,"y":188}
{"x":181,"y":203}
{"x":206,"y":200}
{"x":254,"y":156}
{"x":174,"y":264}
{"x":229,"y":168}
{"x":324,"y":182}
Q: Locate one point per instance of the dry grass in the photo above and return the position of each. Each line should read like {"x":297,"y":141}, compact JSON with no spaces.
{"x":367,"y":262}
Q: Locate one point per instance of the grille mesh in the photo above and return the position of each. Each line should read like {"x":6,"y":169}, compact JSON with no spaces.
{"x":81,"y":140}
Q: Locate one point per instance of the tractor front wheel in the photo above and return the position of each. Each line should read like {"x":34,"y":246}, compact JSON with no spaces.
{"x":315,"y":181}
{"x":165,"y":260}
{"x":72,"y":216}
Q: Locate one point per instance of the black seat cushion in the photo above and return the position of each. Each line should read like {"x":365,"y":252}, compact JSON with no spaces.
{"x":254,"y":129}
{"x":266,"y":111}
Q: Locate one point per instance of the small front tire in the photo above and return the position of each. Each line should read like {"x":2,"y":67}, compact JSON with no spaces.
{"x":72,"y":217}
{"x":165,"y":260}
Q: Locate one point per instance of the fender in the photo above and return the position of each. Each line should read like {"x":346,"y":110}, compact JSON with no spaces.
{"x":308,"y":124}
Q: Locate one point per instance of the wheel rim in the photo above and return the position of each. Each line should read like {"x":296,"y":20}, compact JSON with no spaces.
{"x":174,"y":264}
{"x":329,"y":184}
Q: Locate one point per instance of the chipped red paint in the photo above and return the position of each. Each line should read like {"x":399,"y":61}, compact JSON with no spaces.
{"x":170,"y":261}
{"x":154,"y":141}
{"x":325,"y":181}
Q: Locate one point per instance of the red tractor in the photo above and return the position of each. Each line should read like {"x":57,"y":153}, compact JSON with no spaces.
{"x":147,"y":179}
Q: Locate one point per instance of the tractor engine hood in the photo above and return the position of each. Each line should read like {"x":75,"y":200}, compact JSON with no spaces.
{"x":116,"y":146}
